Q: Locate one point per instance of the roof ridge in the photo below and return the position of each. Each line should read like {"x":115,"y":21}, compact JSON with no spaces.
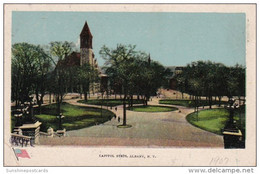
{"x":85,"y":30}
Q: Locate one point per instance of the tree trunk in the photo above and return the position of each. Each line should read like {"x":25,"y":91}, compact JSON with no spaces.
{"x":49,"y":97}
{"x":124,"y":112}
{"x":86,"y":96}
{"x":129,"y":103}
{"x":210,"y":101}
{"x":58,"y":105}
{"x":53,"y":98}
{"x":71,"y":88}
{"x":146,"y":100}
{"x":143,"y":98}
{"x":40,"y":108}
{"x":195,"y":102}
{"x":80,"y":92}
{"x":219,"y":101}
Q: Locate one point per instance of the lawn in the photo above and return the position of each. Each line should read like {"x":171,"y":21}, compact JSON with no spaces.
{"x":151,"y":108}
{"x":214,"y":120}
{"x":188,"y":103}
{"x":109,"y":102}
{"x":76,"y":117}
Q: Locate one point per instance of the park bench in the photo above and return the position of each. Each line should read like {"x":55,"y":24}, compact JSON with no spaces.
{"x":61,"y":132}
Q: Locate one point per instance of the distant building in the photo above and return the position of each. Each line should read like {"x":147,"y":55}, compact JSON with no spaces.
{"x":173,"y":81}
{"x":86,"y":55}
{"x":86,"y":52}
{"x":178,"y":70}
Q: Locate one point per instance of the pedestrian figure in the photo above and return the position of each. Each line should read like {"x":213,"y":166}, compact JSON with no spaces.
{"x":118,"y":119}
{"x":111,"y":107}
{"x":116,"y":108}
{"x":115,"y":116}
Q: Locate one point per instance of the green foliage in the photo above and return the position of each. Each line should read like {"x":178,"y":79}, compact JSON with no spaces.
{"x":30,"y":67}
{"x":76,"y":117}
{"x":211,"y":79}
{"x":85,"y":75}
{"x":124,"y":126}
{"x":151,"y":108}
{"x":189,"y":103}
{"x":214,"y":120}
{"x":60,"y":49}
{"x":132,"y":72}
{"x":61,"y":74}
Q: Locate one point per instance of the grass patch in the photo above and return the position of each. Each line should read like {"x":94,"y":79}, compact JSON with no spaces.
{"x":76,"y":117}
{"x":109,"y":102}
{"x":151,"y":108}
{"x":214,"y":120}
{"x":124,"y":126}
{"x":189,"y":103}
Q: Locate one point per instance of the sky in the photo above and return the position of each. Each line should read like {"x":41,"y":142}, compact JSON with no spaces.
{"x":173,"y":39}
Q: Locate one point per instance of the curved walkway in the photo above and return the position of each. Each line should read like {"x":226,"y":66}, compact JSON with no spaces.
{"x":148,"y":129}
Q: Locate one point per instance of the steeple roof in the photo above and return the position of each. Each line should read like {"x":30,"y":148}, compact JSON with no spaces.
{"x":86,"y":31}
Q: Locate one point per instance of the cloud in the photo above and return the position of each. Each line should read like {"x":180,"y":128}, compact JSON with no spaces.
{"x":78,"y":43}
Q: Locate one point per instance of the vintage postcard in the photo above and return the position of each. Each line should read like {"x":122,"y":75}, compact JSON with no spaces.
{"x":130,"y":85}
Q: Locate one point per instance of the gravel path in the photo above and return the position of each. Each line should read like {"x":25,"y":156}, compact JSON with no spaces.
{"x":148,"y":129}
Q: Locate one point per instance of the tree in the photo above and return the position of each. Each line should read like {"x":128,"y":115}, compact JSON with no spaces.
{"x":60,"y":74}
{"x":206,"y":78}
{"x":220,"y":81}
{"x":118,"y":65}
{"x":181,"y":83}
{"x":30,"y":66}
{"x":133,"y":72}
{"x":236,"y":81}
{"x":85,"y":75}
{"x":41,"y":78}
{"x":152,"y":75}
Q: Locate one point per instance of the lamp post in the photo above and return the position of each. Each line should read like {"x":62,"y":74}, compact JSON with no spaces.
{"x":101,"y":102}
{"x":60,"y":117}
{"x":232,"y":135}
{"x":28,"y":111}
{"x":232,"y":106}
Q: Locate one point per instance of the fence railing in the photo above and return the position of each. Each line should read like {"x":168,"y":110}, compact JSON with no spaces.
{"x":20,"y":140}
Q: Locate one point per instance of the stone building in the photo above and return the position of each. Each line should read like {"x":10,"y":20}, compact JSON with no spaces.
{"x":173,"y":82}
{"x":86,"y":55}
{"x":86,"y":49}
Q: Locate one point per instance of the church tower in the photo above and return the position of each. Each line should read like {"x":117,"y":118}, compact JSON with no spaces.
{"x":86,"y":52}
